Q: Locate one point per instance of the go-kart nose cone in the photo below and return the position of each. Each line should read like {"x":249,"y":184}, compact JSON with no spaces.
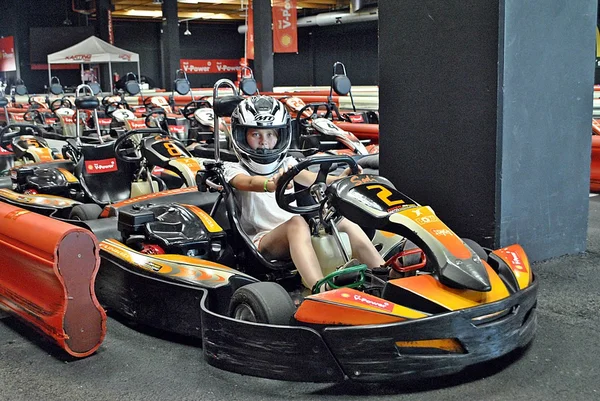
{"x":466,"y":274}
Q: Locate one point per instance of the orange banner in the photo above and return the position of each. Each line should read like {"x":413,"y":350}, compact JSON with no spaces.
{"x":285,"y":26}
{"x":250,"y":32}
{"x":7,"y":54}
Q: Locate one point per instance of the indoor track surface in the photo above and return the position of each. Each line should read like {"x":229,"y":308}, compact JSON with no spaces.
{"x":562,"y":362}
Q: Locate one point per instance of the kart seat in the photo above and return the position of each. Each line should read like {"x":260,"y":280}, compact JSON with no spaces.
{"x":245,"y":246}
{"x":104,"y":178}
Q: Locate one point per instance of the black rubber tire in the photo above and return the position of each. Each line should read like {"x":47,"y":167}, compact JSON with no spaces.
{"x":412,"y":259}
{"x":86,"y":211}
{"x":264,"y":302}
{"x":478,"y":249}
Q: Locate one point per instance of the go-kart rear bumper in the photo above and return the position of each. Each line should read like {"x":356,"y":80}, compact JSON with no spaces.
{"x":369,"y":353}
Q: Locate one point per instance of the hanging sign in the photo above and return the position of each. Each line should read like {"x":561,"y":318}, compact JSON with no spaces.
{"x":250,"y":32}
{"x":7,"y":54}
{"x":285,"y":26}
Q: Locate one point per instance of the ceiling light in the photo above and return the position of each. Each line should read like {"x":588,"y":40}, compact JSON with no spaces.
{"x":187,"y":29}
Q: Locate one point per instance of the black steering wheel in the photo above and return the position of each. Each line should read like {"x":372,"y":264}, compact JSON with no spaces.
{"x":157,"y":116}
{"x":305,"y":121}
{"x":125,"y":146}
{"x":7,"y":135}
{"x":325,"y":164}
{"x":190,"y":108}
{"x":60,"y":103}
{"x":34,"y":115}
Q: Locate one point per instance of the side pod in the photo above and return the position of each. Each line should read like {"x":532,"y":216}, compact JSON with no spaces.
{"x":47,"y":273}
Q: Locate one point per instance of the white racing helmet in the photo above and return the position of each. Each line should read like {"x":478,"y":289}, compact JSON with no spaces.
{"x":262,"y":112}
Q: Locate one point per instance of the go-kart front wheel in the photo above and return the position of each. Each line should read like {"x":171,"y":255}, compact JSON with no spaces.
{"x":263,"y":302}
{"x":86,"y":211}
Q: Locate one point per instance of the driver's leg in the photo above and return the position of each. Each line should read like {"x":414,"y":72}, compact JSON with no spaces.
{"x":362,"y":247}
{"x":292,"y":239}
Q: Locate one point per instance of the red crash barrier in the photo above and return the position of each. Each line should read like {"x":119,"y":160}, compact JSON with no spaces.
{"x":361,"y":131}
{"x":47,"y":273}
{"x":595,"y":166}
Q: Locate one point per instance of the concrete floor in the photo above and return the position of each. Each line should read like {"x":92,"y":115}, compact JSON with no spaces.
{"x":562,"y":363}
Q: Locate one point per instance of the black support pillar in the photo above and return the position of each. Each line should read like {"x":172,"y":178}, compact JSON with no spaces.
{"x":485,"y":110}
{"x":169,"y":43}
{"x":263,"y":44}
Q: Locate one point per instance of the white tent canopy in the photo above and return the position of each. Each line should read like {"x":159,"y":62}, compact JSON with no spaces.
{"x":93,"y":50}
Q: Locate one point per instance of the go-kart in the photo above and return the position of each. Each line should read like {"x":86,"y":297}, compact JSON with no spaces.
{"x":160,"y":154}
{"x":458,"y":305}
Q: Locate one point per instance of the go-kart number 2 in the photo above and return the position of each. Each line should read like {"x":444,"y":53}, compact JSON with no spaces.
{"x":172,"y":149}
{"x":384,"y":194}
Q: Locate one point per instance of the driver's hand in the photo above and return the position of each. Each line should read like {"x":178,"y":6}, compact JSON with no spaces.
{"x":278,"y":175}
{"x":348,"y":171}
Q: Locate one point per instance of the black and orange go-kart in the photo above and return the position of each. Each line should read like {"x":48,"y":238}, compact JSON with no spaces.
{"x":457,"y":306}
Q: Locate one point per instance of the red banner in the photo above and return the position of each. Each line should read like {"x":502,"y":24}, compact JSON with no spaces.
{"x":285,"y":26}
{"x":212,"y":66}
{"x":250,"y":32}
{"x":7,"y":54}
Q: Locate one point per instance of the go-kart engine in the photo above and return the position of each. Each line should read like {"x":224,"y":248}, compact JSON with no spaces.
{"x":174,"y":228}
{"x":41,"y":180}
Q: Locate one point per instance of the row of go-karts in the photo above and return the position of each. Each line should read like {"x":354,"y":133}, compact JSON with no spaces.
{"x":174,"y":256}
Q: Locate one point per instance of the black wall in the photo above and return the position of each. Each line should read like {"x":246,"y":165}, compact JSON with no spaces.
{"x":355,"y":45}
{"x":319,"y":47}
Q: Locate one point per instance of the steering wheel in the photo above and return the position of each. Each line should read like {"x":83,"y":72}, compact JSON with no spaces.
{"x":325,"y":163}
{"x":34,"y":115}
{"x":190,"y":108}
{"x":60,"y":103}
{"x":125,"y":144}
{"x":160,"y":114}
{"x":304,"y":121}
{"x":6,"y":135}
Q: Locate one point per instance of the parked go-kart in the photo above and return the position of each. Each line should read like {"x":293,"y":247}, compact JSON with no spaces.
{"x":457,"y":306}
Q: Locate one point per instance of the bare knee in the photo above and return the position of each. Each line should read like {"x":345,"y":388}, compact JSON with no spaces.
{"x":298,"y":227}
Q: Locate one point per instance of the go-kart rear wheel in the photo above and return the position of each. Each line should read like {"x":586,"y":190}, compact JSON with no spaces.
{"x":86,"y":211}
{"x":263,"y":302}
{"x":478,"y":249}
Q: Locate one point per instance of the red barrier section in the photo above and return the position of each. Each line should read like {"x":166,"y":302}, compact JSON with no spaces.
{"x":47,"y":273}
{"x":361,"y":131}
{"x":595,"y":166}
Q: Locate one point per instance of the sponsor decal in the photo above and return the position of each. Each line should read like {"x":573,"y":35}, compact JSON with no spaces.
{"x":367,"y":300}
{"x":427,"y":219}
{"x":17,"y":117}
{"x":16,"y":214}
{"x":101,"y":166}
{"x":102,"y":121}
{"x":79,"y":57}
{"x":356,"y":118}
{"x":125,"y":56}
{"x":361,"y":179}
{"x":137,"y":124}
{"x":4,"y":152}
{"x":441,"y":232}
{"x":178,"y":129}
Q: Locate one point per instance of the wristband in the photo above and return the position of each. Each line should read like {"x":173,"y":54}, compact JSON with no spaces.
{"x":265,"y":185}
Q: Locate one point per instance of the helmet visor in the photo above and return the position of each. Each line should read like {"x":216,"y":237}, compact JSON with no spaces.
{"x":262,"y":144}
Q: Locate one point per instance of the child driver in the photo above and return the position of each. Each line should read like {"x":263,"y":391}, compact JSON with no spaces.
{"x":261,"y":137}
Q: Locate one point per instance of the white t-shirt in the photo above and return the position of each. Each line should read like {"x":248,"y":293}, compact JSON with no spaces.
{"x":260,"y":212}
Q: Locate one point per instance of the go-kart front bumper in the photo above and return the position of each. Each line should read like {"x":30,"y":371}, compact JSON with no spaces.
{"x":373,"y":353}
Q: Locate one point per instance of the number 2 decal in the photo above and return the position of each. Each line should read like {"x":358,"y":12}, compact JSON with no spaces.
{"x":384,"y":195}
